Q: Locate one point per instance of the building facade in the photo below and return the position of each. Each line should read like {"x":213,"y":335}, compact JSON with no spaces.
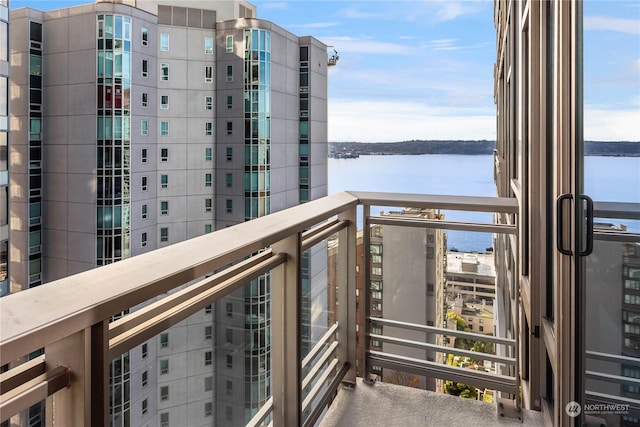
{"x":567,"y":280}
{"x":142,"y":124}
{"x":408,"y":285}
{"x":4,"y":147}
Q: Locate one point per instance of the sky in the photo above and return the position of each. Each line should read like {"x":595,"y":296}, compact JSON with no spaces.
{"x":423,"y":69}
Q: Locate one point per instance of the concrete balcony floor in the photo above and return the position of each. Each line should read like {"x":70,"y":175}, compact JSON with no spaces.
{"x":390,"y":405}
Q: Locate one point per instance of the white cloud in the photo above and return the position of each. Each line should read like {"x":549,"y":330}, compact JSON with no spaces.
{"x":315,"y":25}
{"x":450,"y":10}
{"x":366,"y":121}
{"x":451,"y":45}
{"x":371,"y":121}
{"x":355,"y":13}
{"x":611,"y":125}
{"x":363,"y":45}
{"x":608,"y":23}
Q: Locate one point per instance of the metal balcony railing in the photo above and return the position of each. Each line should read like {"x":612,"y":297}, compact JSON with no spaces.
{"x":69,"y":318}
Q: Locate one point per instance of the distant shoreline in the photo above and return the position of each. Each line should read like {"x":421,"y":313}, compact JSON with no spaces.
{"x":480,"y":147}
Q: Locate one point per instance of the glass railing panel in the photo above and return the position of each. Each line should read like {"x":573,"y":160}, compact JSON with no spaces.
{"x":321,"y":281}
{"x":211,"y":367}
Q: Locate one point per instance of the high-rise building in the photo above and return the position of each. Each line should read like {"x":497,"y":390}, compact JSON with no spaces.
{"x":142,"y":124}
{"x":407,"y":285}
{"x":4,"y":147}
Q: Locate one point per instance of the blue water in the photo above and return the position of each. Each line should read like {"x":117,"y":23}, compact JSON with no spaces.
{"x":606,"y":179}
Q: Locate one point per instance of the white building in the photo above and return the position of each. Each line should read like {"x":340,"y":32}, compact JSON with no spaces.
{"x":142,"y":124}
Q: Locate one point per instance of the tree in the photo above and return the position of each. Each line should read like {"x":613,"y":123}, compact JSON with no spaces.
{"x":402,"y":378}
{"x":460,"y":390}
{"x":483,"y":347}
{"x":461,"y":325}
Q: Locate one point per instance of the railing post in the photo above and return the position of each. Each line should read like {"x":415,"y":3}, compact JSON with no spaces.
{"x":286,"y":288}
{"x":347,"y":294}
{"x":86,"y":400}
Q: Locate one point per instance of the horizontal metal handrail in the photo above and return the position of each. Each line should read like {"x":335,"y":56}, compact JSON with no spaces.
{"x":611,"y":378}
{"x":320,"y":345}
{"x":316,"y":235}
{"x":616,"y":236}
{"x":327,"y":396}
{"x":22,"y":373}
{"x":313,"y":372}
{"x":444,"y":349}
{"x":598,"y":397}
{"x":613,"y":358}
{"x":262,"y":414}
{"x":33,"y":391}
{"x":444,"y":331}
{"x":447,"y":372}
{"x":320,"y":383}
{"x":620,"y":210}
{"x":444,"y":225}
{"x":438,"y":201}
{"x":134,"y":331}
{"x":74,"y":303}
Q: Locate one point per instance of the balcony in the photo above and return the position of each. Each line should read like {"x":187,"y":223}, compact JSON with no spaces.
{"x":72,"y":321}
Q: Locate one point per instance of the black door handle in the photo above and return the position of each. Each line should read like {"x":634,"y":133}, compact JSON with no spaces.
{"x":559,"y":218}
{"x":589,"y":217}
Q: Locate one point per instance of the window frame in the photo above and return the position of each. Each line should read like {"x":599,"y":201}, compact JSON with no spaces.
{"x":208,"y":73}
{"x":163,"y":365}
{"x":208,"y":47}
{"x":229,"y":73}
{"x":164,"y":72}
{"x":144,"y":36}
{"x":164,"y":42}
{"x":229,"y":43}
{"x":164,"y":340}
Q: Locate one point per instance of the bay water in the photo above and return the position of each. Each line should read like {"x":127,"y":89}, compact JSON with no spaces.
{"x":606,"y":179}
